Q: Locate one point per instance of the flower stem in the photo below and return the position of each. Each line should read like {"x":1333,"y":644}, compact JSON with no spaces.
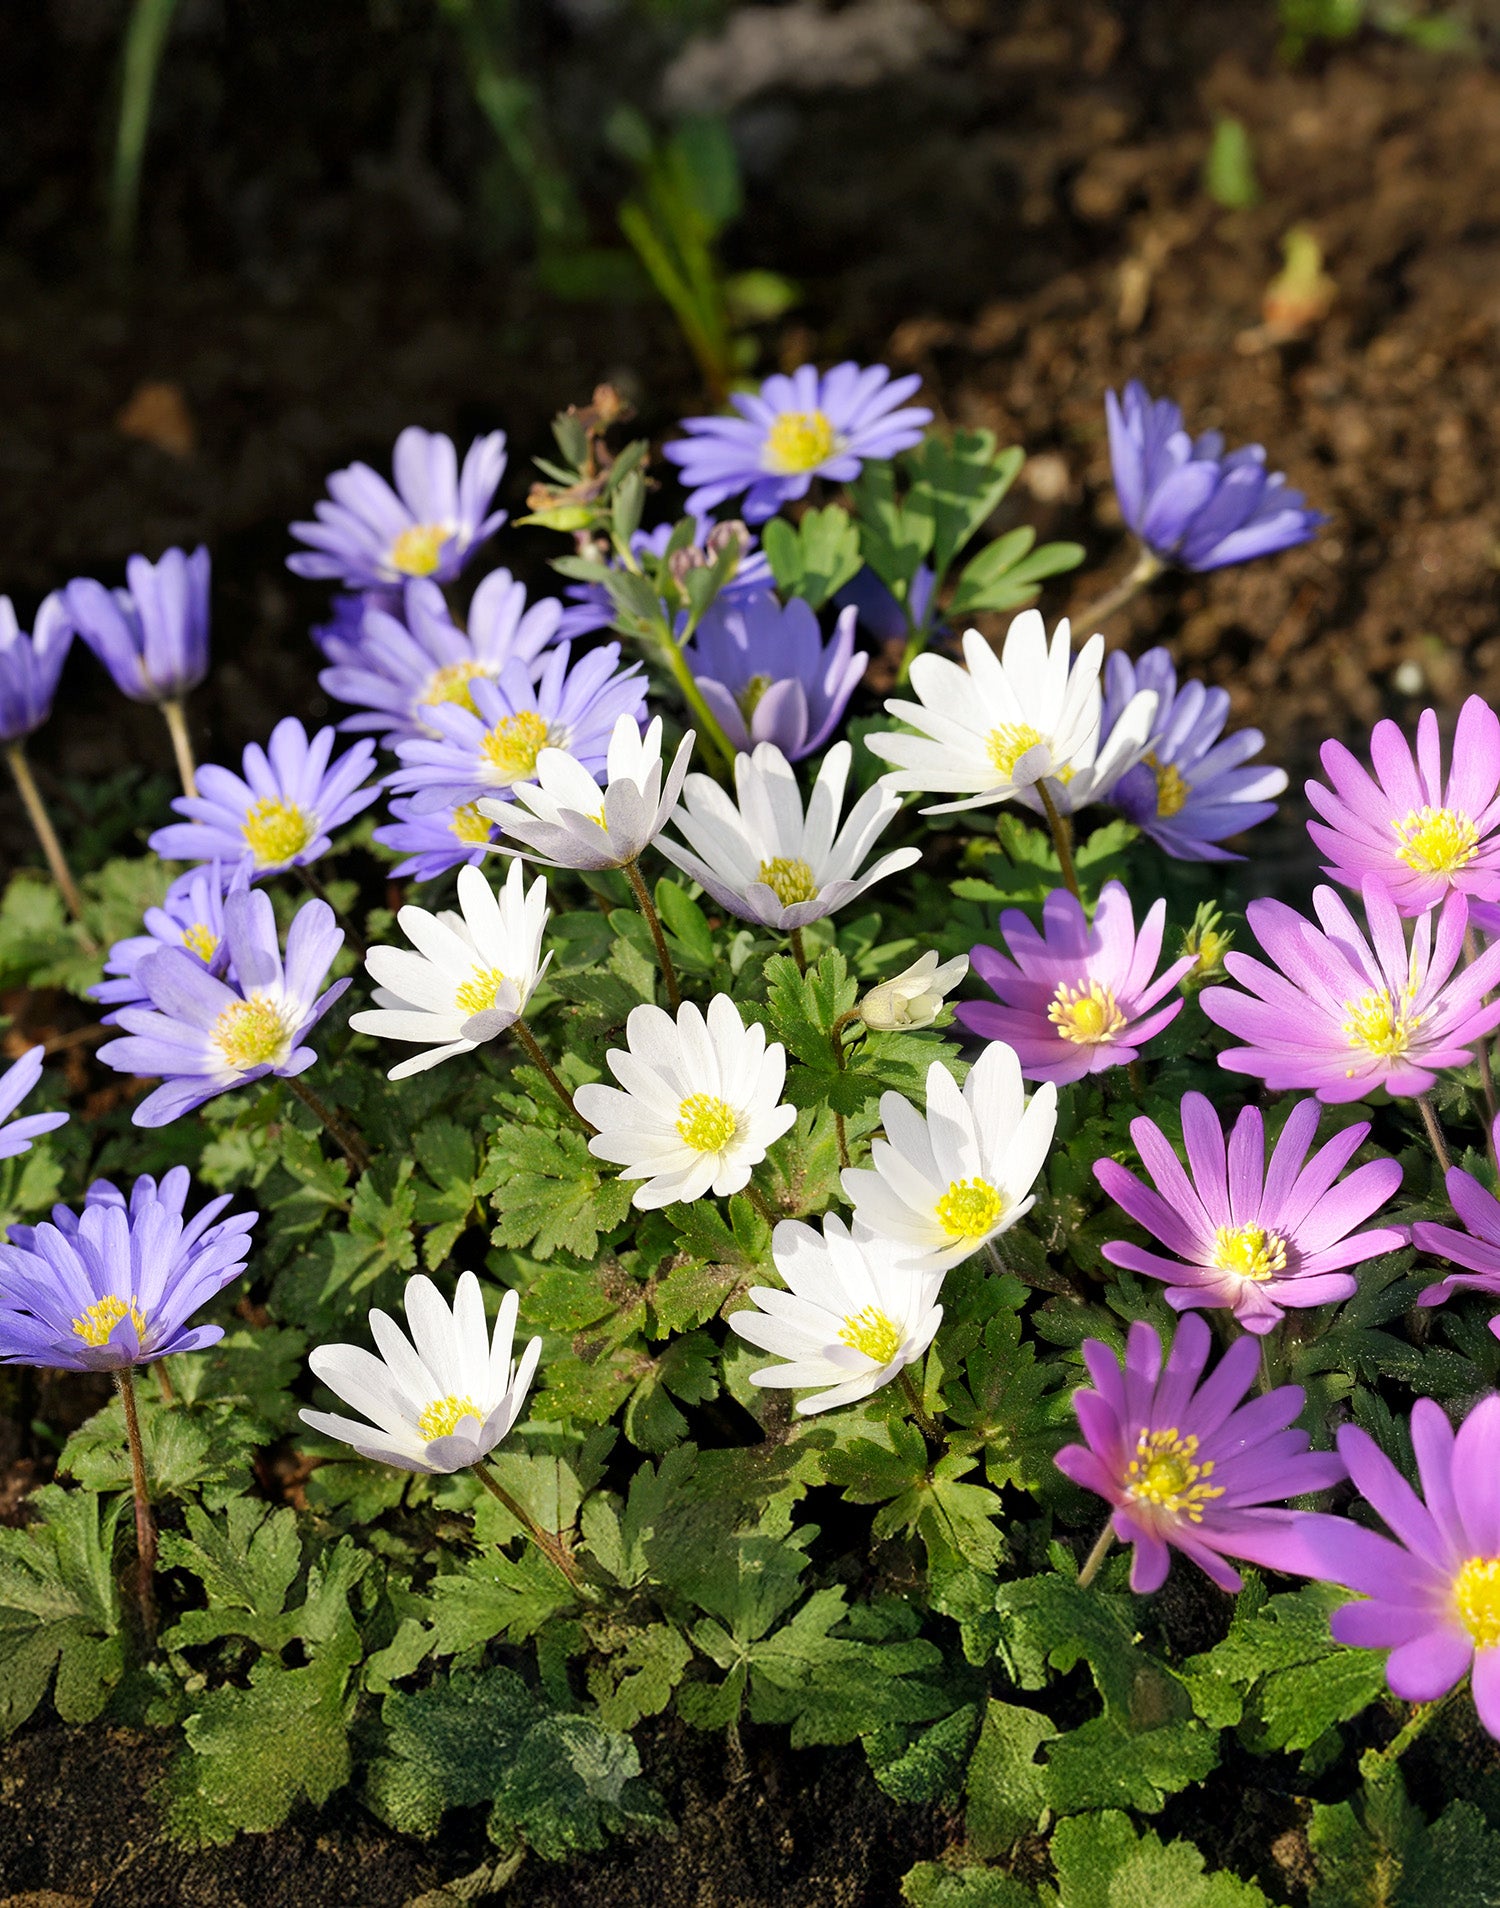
{"x":544,"y":1066}
{"x":836,"y":1035}
{"x":708,"y":723}
{"x":353,"y":939}
{"x":653,"y":921}
{"x":1435,"y":1133}
{"x":926,"y":1423}
{"x":552,"y":1547}
{"x":176,"y":720}
{"x":1062,"y":840}
{"x":145,"y":1523}
{"x":1147,"y":569}
{"x":1096,"y":1556}
{"x":799,"y":952}
{"x":348,"y":1141}
{"x":46,"y":834}
{"x":1421,"y":1715}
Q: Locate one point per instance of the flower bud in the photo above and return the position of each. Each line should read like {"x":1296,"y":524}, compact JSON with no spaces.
{"x":690,"y":557}
{"x":722,"y":534}
{"x":1208,"y":941}
{"x":913,"y":997}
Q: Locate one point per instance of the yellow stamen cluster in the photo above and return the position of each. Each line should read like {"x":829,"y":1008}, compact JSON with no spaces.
{"x":512,"y":746}
{"x":749,"y":697}
{"x":444,"y":1415}
{"x":201,"y":940}
{"x":252,"y":1033}
{"x":275,"y":831}
{"x":1171,"y":790}
{"x":1250,"y":1252}
{"x":872,"y":1332}
{"x":706,"y":1123}
{"x":1088,"y":1016}
{"x":96,"y":1322}
{"x":477,"y":994}
{"x":1007,"y":744}
{"x":799,"y":441}
{"x":1476,"y":1598}
{"x":469,"y":825}
{"x":970,"y":1208}
{"x":451,"y":684}
{"x":1436,"y":840}
{"x":418,"y":550}
{"x":1379,"y":1024}
{"x":1163,"y":1473}
{"x":790,"y":879}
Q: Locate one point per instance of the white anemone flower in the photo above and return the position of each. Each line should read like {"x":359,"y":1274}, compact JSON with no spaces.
{"x":911,"y":999}
{"x":766,"y":861}
{"x":562,"y":820}
{"x":993,"y":730}
{"x":471,"y":976}
{"x":439,"y":1401}
{"x":943,"y":1186}
{"x":854,"y":1314}
{"x":702,"y":1102}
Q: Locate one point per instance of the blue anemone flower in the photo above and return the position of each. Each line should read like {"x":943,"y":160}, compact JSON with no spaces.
{"x":30,"y":665}
{"x":191,"y":918}
{"x":768,"y":676}
{"x":436,"y":842}
{"x":15,"y":1083}
{"x":152,"y":636}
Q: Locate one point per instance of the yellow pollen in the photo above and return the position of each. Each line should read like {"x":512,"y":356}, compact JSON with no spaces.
{"x":705,"y":1123}
{"x":201,"y":940}
{"x":1009,"y":743}
{"x":443,"y":1416}
{"x":799,"y":441}
{"x":1086,"y":1016}
{"x":251,"y":1033}
{"x":1476,"y":1597}
{"x":750,"y":696}
{"x":789,"y":879}
{"x":275,"y":831}
{"x":469,"y":825}
{"x":512,"y":746}
{"x":1436,"y":840}
{"x":1250,"y":1252}
{"x":477,"y":995}
{"x":1163,"y":1473}
{"x":1379,"y":1024}
{"x":451,"y":684}
{"x":872,"y":1332}
{"x":96,"y":1322}
{"x":419,"y":549}
{"x":970,"y":1208}
{"x":1171,"y":790}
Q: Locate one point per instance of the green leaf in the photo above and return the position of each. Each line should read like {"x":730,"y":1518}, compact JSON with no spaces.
{"x":1102,"y":1863}
{"x":693,"y":941}
{"x":936,"y":1885}
{"x":1376,"y":1851}
{"x":59,"y":1608}
{"x":1007,"y":1787}
{"x":637,"y":1678}
{"x":926,"y":1765}
{"x":1005,"y":574}
{"x":893,"y":541}
{"x":548,"y":1192}
{"x":495,"y":1596}
{"x":956,"y":484}
{"x":202,"y":1448}
{"x":814,"y":558}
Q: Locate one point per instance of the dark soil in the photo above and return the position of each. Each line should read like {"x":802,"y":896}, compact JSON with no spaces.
{"x":1020,"y":217}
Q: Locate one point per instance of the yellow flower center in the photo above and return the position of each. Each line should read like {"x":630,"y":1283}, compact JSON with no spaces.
{"x":1009,"y":743}
{"x":1171,"y":790}
{"x":451,"y":684}
{"x":1213,"y":945}
{"x":1088,"y":1016}
{"x":799,"y":441}
{"x":1163,"y":1473}
{"x":251,"y":1033}
{"x":477,"y":995}
{"x":201,"y":940}
{"x":1476,"y":1597}
{"x":469,"y":825}
{"x":418,"y":550}
{"x":1250,"y":1252}
{"x":1436,"y":840}
{"x":1379,"y":1024}
{"x":512,"y":746}
{"x":275,"y":831}
{"x":96,"y":1322}
{"x":750,"y":696}
{"x":444,"y":1415}
{"x":970,"y":1208}
{"x":873,"y":1332}
{"x":705,"y":1123}
{"x":789,"y":879}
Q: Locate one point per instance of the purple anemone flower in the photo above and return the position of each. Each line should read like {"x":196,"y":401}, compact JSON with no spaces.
{"x":117,"y":1283}
{"x":1075,"y":998}
{"x":486,"y":750}
{"x":1401,"y":826}
{"x":1189,"y":501}
{"x":191,"y":918}
{"x":793,"y":429}
{"x":402,"y":663}
{"x":768,"y":676}
{"x":437,"y":842}
{"x":877,"y":609}
{"x":15,"y":1083}
{"x":589,"y":606}
{"x":30,"y":665}
{"x":1191,"y":789}
{"x":1342,"y":1014}
{"x":339,"y":637}
{"x":152,"y":636}
{"x":1187,"y":1466}
{"x":1252,"y":1239}
{"x":1477,"y":1246}
{"x":1431,"y":1591}
{"x":371,"y":536}
{"x":203,"y":1036}
{"x":281,"y":814}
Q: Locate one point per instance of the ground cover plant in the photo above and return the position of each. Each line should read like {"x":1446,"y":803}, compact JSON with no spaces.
{"x":836,"y":1206}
